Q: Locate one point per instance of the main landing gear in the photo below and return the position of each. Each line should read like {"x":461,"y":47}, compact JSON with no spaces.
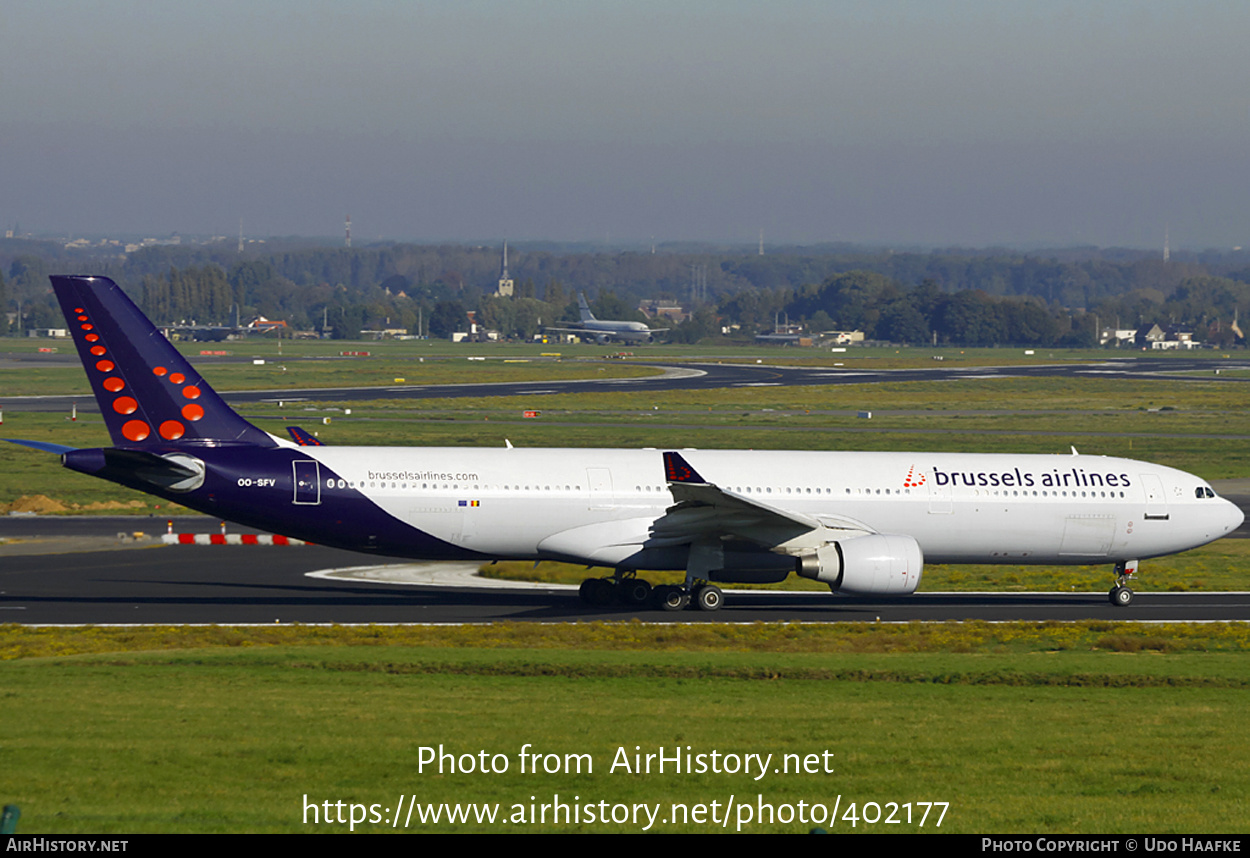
{"x":624,"y":588}
{"x":1120,"y":595}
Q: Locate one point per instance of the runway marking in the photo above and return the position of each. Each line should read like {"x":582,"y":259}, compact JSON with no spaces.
{"x":431,"y":574}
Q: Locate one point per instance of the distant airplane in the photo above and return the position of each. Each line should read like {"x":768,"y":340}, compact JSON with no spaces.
{"x":862,"y":523}
{"x":217,"y":333}
{"x":605,"y":330}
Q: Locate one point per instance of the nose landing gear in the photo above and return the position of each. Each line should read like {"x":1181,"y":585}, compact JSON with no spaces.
{"x":1120,"y":595}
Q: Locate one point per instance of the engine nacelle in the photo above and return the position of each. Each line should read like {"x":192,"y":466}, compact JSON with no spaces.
{"x":876,"y":564}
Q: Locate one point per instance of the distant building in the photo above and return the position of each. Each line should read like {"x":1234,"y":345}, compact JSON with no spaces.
{"x":1148,"y":335}
{"x":1117,"y":336}
{"x":660,"y":309}
{"x":1157,"y":339}
{"x":504,"y":290}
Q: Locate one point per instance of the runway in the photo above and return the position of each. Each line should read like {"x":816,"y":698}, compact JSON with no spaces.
{"x":254,"y":585}
{"x":700,"y":376}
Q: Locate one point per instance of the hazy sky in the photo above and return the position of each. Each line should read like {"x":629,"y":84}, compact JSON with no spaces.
{"x":930,"y":122}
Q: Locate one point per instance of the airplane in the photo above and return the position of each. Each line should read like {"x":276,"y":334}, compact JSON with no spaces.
{"x":862,"y":523}
{"x":603,"y":330}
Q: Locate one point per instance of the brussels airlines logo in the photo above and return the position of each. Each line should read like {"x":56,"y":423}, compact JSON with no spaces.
{"x":1069,"y":478}
{"x":914,"y":480}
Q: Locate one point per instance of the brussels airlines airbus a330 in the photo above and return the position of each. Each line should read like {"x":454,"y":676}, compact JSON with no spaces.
{"x":863,"y":523}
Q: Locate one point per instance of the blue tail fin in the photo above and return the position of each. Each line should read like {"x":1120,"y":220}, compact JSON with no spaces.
{"x":148,"y":393}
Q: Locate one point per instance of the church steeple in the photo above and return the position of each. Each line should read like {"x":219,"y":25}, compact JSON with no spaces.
{"x":505,"y":282}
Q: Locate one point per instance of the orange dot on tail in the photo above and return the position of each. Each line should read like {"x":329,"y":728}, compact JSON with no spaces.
{"x":87,"y":327}
{"x":192,"y":412}
{"x":159,"y":370}
{"x":82,"y":318}
{"x":177,"y":378}
{"x":114,"y":384}
{"x":191,"y":392}
{"x":91,"y":338}
{"x":172,"y":430}
{"x":104,"y":365}
{"x":79,"y":310}
{"x":98,"y":350}
{"x":125,"y":405}
{"x":136,"y":430}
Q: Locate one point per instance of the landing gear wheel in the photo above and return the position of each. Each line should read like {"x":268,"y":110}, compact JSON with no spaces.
{"x":597,"y":591}
{"x":634,"y":591}
{"x":709,"y":597}
{"x":586,"y":590}
{"x":1120,"y":596}
{"x":671,"y":598}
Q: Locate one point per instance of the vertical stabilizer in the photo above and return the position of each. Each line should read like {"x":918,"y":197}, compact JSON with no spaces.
{"x":148,"y":393}
{"x":587,"y":316}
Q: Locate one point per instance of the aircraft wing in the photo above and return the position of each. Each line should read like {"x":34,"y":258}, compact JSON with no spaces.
{"x":705,"y":511}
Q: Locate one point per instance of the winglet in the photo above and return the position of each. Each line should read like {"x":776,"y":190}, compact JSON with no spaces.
{"x":678,"y":470}
{"x":303,"y":438}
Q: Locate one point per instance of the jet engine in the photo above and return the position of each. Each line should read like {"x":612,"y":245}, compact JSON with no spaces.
{"x":875,"y":564}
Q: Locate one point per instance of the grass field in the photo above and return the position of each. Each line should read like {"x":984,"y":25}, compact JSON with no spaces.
{"x":1083,"y":728}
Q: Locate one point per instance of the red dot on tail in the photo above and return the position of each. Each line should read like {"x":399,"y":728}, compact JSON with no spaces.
{"x":114,"y":384}
{"x":136,"y":430}
{"x":192,"y":412}
{"x":125,"y":405}
{"x":172,"y":430}
{"x":191,"y":392}
{"x":159,"y":370}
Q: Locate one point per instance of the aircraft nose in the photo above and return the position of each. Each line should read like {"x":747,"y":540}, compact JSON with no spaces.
{"x":1232,"y":517}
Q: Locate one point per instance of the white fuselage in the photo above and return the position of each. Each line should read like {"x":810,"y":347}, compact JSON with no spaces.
{"x":597,"y":506}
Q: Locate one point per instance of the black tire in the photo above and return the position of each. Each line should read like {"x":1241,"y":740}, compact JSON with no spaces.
{"x":586,"y":591}
{"x":709,"y":598}
{"x":671,"y":598}
{"x":603,"y":591}
{"x":1122,"y":597}
{"x":634,"y":591}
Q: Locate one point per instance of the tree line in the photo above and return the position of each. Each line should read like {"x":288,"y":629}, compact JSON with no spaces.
{"x":962,"y":297}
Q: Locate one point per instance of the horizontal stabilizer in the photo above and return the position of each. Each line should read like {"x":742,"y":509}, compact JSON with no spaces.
{"x":138,"y":468}
{"x":46,"y":446}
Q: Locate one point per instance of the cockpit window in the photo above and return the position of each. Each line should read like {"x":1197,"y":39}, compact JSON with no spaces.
{"x":1204,"y":492}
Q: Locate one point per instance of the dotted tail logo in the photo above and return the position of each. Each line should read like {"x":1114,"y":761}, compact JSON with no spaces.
{"x":914,"y":480}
